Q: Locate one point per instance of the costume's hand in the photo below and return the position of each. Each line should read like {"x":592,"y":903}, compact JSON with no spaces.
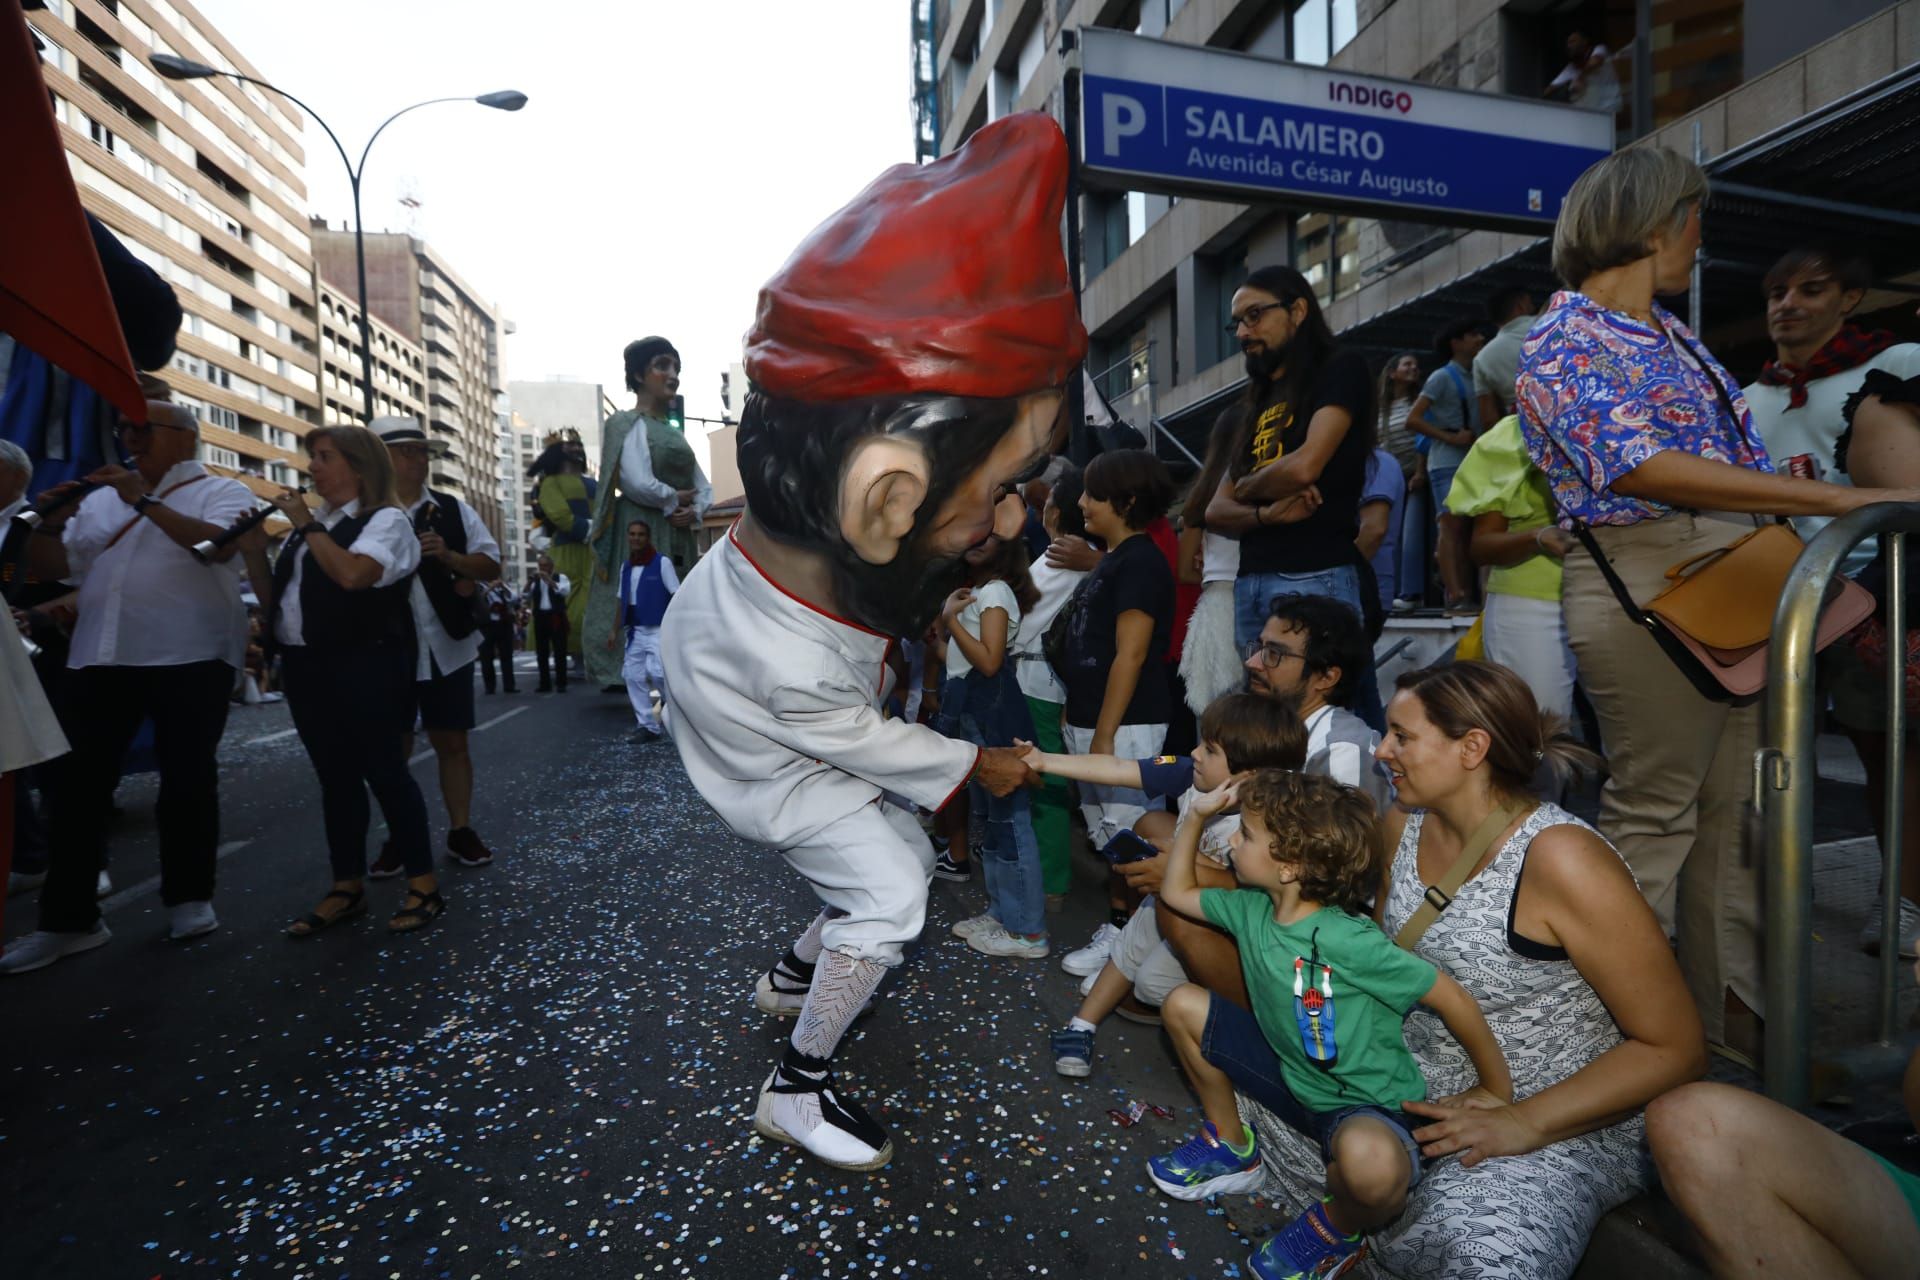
{"x":685,"y":496}
{"x":128,"y":484}
{"x":432,"y":545}
{"x":1073,"y":553}
{"x":682,"y":517}
{"x":1480,"y":1132}
{"x":1554,"y":541}
{"x":1001,"y":770}
{"x":1145,"y":875}
{"x":955,"y":603}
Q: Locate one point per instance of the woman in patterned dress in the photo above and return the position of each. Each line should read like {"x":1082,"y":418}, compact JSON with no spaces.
{"x":1552,"y":938}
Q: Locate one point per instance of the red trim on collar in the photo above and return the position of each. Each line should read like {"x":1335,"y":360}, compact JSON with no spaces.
{"x":808,"y":605}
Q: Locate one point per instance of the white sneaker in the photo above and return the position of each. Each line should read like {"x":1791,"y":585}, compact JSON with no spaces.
{"x":996,"y":941}
{"x":39,"y":949}
{"x":21,"y":881}
{"x":1909,"y":929}
{"x":103,"y":886}
{"x":190,"y":920}
{"x":1089,"y":958}
{"x":975,"y":924}
{"x":1086,"y":983}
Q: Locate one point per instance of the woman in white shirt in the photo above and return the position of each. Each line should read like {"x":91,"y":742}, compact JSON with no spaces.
{"x":341,"y":620}
{"x":981,"y":703}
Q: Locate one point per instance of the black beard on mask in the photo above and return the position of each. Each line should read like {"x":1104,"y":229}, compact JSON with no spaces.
{"x":897,"y":599}
{"x":1263,"y":364}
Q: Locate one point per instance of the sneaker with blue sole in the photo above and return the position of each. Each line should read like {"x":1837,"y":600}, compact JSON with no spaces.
{"x":1073,"y":1052}
{"x":1205,"y":1167}
{"x":1308,"y":1248}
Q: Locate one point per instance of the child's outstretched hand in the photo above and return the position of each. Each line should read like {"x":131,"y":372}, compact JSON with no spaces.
{"x":1031,"y":756}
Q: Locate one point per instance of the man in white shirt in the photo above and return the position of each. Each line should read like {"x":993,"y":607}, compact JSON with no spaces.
{"x":160,"y":636}
{"x":647,"y":583}
{"x":546,"y":600}
{"x":892,"y":419}
{"x":1588,"y":78}
{"x":457,"y":553}
{"x":1799,"y":408}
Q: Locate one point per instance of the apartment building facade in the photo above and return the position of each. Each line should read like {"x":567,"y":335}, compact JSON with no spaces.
{"x":416,"y":294}
{"x":1159,"y":270}
{"x":205,"y":182}
{"x":399,"y":364}
{"x":538,"y":409}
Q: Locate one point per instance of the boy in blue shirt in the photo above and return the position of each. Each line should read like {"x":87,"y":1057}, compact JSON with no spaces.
{"x":1323,"y":1048}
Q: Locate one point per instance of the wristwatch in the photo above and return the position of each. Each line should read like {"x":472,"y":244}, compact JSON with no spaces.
{"x":141,"y":503}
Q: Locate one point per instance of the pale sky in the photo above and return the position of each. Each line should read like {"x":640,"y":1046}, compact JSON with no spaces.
{"x":672,"y":153}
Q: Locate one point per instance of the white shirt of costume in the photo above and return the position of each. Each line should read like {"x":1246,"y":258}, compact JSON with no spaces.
{"x":638,"y":482}
{"x":436,"y":647}
{"x":1219,"y":558}
{"x":543,"y":599}
{"x":144,"y":600}
{"x":991,"y":595}
{"x":1056,"y":586}
{"x":630,"y":585}
{"x":776,"y":708}
{"x":387,"y":539}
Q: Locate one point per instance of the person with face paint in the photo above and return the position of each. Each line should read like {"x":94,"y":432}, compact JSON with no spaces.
{"x":647,"y":473}
{"x":907,"y":366}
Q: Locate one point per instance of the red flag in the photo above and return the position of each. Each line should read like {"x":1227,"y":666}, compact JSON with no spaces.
{"x":53,"y":294}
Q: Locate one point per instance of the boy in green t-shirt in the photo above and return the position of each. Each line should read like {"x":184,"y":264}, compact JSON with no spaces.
{"x":1323,"y":1048}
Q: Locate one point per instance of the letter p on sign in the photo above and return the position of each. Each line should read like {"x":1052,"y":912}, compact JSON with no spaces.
{"x":1120,"y":117}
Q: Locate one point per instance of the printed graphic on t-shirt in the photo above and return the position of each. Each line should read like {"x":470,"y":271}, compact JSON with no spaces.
{"x":1267,"y":448}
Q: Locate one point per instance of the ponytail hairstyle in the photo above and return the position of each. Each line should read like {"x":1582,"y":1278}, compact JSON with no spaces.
{"x":1460,"y":697}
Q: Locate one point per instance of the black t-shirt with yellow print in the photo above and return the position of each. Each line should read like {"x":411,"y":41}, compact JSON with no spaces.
{"x":1325,"y":539}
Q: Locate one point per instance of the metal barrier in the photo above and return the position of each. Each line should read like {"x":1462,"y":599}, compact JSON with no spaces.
{"x":1783,"y":779}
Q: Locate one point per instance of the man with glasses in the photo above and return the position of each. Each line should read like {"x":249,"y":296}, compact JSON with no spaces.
{"x":457,"y":553}
{"x":159,"y":636}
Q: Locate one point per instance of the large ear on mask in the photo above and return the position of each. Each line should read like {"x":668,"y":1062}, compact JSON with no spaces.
{"x":880,"y":494}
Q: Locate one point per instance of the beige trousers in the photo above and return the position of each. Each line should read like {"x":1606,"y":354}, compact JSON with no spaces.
{"x":1681,"y":765}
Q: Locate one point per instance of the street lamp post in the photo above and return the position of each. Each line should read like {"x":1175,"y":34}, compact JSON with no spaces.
{"x":172,"y":67}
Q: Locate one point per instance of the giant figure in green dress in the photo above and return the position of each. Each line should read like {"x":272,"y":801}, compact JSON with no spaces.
{"x":647,"y":473}
{"x":562,"y":509}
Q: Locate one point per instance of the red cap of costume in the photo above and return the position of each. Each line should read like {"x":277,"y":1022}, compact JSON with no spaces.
{"x":941,"y":278}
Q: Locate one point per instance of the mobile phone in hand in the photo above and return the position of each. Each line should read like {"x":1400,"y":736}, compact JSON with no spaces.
{"x":1127,"y":847}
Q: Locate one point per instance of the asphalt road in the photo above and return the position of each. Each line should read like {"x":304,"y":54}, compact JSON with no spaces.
{"x":563,"y":1068}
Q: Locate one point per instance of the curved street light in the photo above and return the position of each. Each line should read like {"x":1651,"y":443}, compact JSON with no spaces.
{"x":172,"y":67}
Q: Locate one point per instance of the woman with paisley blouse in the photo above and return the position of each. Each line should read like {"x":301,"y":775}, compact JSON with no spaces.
{"x":1647,"y":440}
{"x":648,"y":473}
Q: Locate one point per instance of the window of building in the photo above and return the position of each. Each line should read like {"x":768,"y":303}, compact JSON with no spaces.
{"x":1312,"y":252}
{"x":1216,"y":276}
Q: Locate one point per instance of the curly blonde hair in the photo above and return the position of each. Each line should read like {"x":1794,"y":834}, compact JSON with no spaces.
{"x":1324,"y":828}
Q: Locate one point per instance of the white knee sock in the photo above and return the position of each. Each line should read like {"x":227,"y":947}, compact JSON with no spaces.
{"x":841,"y":986}
{"x":806,"y":948}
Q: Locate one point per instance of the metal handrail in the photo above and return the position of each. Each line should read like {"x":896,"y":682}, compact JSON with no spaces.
{"x":1784,"y":775}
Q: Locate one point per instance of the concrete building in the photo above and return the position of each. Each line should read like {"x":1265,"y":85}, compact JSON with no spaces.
{"x":205,"y":181}
{"x":399,"y":364}
{"x":1159,"y":270}
{"x":414,"y":292}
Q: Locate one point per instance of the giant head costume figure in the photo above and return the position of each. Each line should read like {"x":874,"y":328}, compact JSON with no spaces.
{"x":907,"y":366}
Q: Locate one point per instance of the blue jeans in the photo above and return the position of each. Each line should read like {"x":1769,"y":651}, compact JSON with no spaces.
{"x":1232,"y":1041}
{"x":1010,"y":861}
{"x":1253,"y":595}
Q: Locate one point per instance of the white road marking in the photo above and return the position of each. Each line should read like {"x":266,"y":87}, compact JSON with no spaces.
{"x":272,"y":737}
{"x":426,"y":753}
{"x":124,"y":896}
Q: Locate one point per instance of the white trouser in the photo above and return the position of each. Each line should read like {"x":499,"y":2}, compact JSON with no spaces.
{"x":1144,"y":959}
{"x":875,"y":865}
{"x":1111,"y":810}
{"x":643,"y":671}
{"x":1529,"y":638}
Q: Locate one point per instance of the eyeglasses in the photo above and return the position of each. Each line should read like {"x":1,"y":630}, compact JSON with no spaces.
{"x":1251,"y":316}
{"x":1270,"y":655}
